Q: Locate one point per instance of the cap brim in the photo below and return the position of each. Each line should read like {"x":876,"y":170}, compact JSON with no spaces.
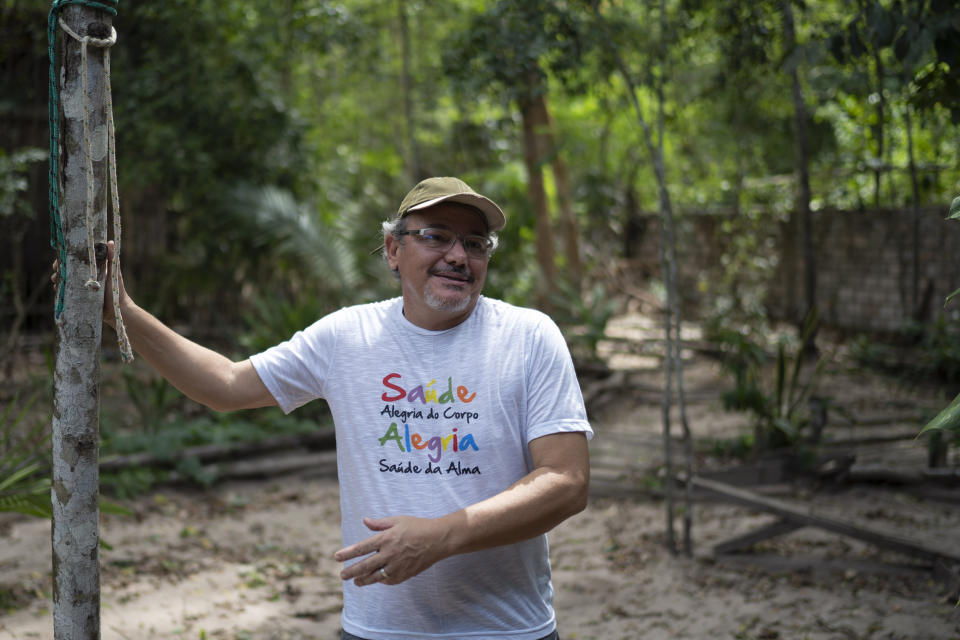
{"x":494,"y":216}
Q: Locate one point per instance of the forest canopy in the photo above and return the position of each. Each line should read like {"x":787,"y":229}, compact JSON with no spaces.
{"x":260,"y":144}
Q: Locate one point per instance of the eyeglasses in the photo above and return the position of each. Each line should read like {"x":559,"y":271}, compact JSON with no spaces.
{"x":443,"y":239}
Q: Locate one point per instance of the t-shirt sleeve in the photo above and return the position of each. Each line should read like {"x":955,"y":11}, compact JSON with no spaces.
{"x":554,"y":400}
{"x":295,"y":371}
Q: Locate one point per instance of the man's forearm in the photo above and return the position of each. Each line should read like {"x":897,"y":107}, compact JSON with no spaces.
{"x":200,"y":373}
{"x":404,"y":546}
{"x":532,"y":506}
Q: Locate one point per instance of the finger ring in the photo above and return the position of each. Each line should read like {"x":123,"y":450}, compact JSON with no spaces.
{"x":383,"y":572}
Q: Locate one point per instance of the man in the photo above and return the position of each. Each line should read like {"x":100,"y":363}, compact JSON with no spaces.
{"x":461,"y":431}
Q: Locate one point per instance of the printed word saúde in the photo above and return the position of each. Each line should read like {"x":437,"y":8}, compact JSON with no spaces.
{"x":424,"y":393}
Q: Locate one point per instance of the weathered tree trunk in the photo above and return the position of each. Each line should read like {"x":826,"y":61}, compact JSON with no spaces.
{"x":533,"y":122}
{"x":803,"y":191}
{"x":76,"y":575}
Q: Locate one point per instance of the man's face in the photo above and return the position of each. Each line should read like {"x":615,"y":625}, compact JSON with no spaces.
{"x":440,"y":288}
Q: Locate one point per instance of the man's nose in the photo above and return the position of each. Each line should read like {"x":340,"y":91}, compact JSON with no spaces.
{"x":456,"y":254}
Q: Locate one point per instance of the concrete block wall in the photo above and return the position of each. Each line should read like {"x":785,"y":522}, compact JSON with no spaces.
{"x":865,"y":265}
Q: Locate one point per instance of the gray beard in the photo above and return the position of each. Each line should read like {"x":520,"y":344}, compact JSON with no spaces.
{"x":445,"y":304}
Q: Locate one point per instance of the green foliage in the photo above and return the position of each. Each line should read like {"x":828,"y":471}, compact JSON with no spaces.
{"x":315,"y":106}
{"x":153,"y":399}
{"x":507,"y":46}
{"x":948,"y":419}
{"x":24,"y":493}
{"x":951,"y":297}
{"x":219,"y":86}
{"x":275,"y":319}
{"x":940,"y":350}
{"x":739,"y":447}
{"x":24,"y":488}
{"x":292,"y":244}
{"x":954,"y":215}
{"x":207,"y":98}
{"x":779,"y":403}
{"x":584,"y":317}
{"x":260,"y":147}
{"x":743,"y":358}
{"x":208,"y":428}
{"x":165,"y":428}
{"x":131,"y":483}
{"x":13,"y":180}
{"x":929,"y":353}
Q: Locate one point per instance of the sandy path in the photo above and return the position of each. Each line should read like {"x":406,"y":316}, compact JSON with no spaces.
{"x":252,"y":560}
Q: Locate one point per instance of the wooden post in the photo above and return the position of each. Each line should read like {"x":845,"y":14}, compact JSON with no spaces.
{"x":75,"y":491}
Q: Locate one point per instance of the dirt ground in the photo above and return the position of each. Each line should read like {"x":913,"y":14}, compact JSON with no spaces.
{"x":253,"y":559}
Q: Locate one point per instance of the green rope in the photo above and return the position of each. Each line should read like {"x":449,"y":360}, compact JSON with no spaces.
{"x":57,"y":239}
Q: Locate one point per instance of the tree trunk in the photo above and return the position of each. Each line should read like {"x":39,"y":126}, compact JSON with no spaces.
{"x":803,"y":191}
{"x":549,"y":151}
{"x":533,"y":122}
{"x":571,"y":228}
{"x":674,"y":305}
{"x":76,"y":575}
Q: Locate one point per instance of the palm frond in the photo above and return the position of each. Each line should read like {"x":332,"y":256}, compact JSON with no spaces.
{"x":35,"y":504}
{"x":22,"y":448}
{"x":295,"y":233}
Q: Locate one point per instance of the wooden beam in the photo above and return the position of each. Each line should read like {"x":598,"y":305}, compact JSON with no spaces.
{"x":745,"y":541}
{"x":846,"y":527}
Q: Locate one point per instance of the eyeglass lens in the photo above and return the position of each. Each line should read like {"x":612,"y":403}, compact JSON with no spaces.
{"x":443,"y":239}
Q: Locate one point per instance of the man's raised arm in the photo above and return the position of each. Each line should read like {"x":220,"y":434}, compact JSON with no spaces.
{"x":201,"y":374}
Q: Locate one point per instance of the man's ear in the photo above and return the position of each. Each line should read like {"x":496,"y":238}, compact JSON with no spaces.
{"x":392,"y":246}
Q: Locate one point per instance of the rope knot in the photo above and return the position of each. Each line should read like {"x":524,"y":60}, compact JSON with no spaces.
{"x":99,"y":34}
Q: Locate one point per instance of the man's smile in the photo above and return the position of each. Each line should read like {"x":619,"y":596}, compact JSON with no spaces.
{"x":455,"y":275}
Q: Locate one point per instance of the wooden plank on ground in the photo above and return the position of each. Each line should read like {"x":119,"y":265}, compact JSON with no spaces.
{"x":320,"y":439}
{"x":807,"y":517}
{"x":745,"y":541}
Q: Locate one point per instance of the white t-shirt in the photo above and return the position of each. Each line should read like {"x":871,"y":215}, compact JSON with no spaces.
{"x":428,"y":422}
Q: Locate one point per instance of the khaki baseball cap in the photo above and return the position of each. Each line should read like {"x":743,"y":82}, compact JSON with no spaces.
{"x":436,"y":190}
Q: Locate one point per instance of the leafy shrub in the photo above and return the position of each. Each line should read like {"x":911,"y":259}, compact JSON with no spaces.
{"x":923,"y":352}
{"x":583,"y":317}
{"x":165,"y":429}
{"x":780,"y":406}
